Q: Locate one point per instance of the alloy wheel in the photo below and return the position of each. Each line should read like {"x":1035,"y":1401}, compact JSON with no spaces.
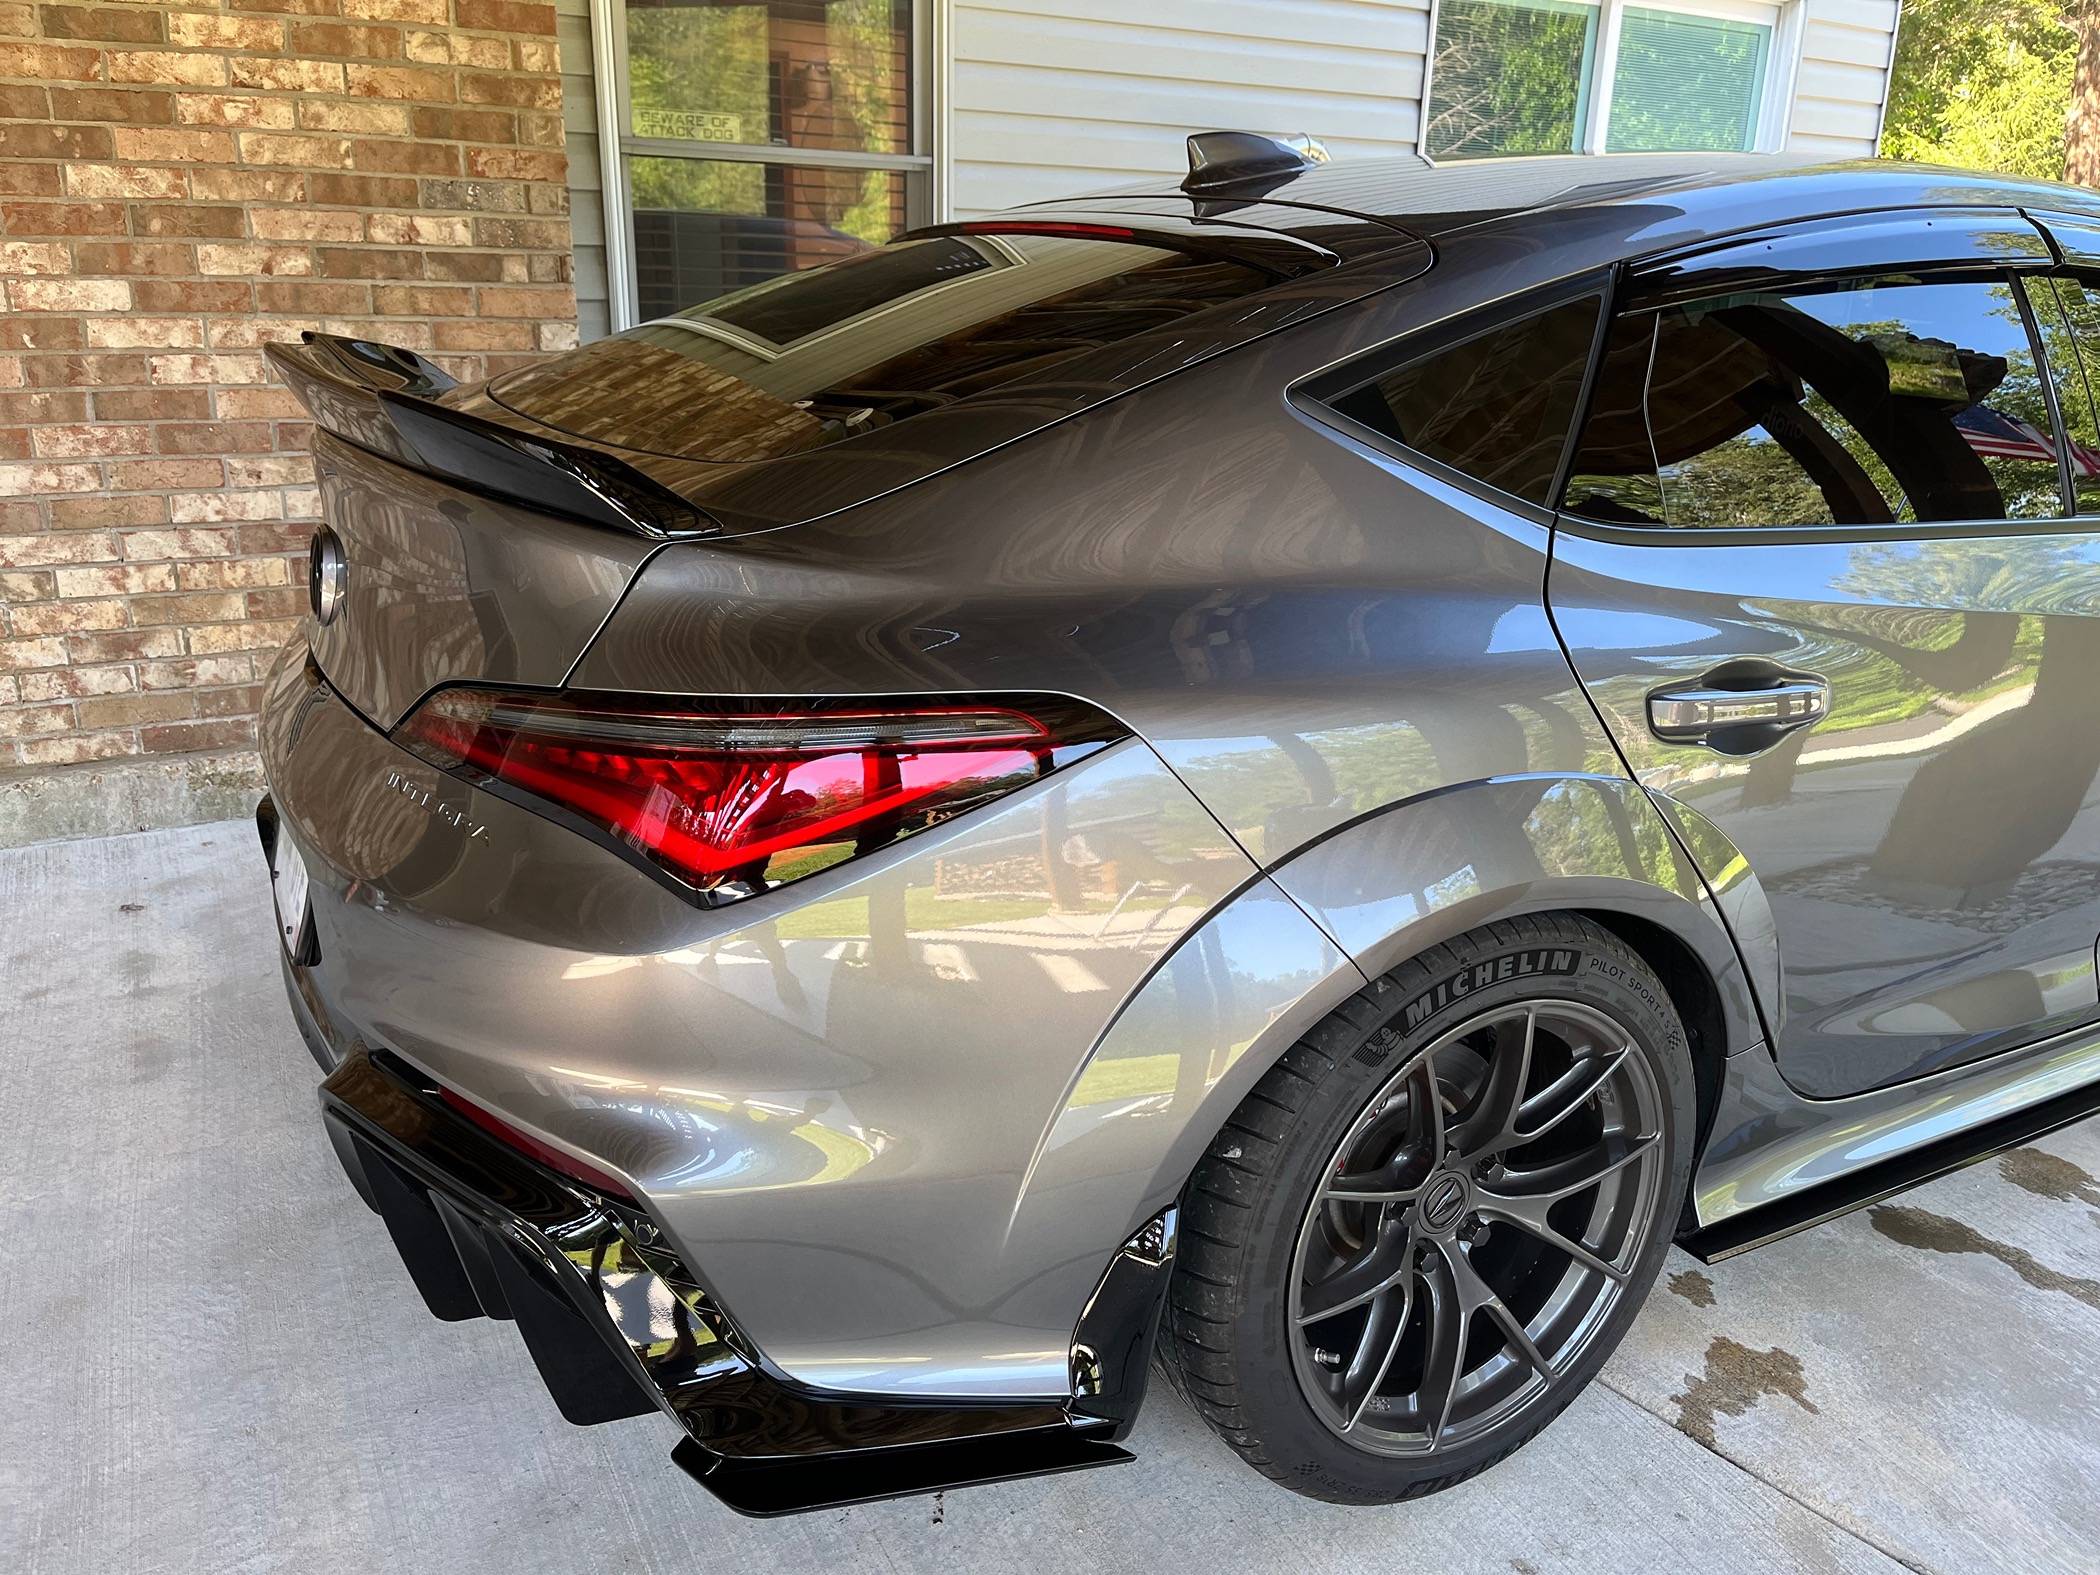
{"x":1476,"y":1226}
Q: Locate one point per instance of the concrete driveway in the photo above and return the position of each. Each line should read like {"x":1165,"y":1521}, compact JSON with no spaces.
{"x":212,"y":1361}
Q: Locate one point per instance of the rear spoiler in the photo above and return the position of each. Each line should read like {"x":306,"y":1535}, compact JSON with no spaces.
{"x":387,"y":401}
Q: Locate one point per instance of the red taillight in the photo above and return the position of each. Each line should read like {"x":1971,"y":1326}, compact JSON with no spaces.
{"x":734,"y":802}
{"x":532,"y":1148}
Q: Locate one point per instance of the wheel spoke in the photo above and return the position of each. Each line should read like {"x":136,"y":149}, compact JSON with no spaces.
{"x":1386,"y":1261}
{"x":1528,"y":1213}
{"x":1375,"y":1351}
{"x":1565,"y":1178}
{"x":1445,"y":1366}
{"x":1490,"y":1122}
{"x":1565,"y":1095}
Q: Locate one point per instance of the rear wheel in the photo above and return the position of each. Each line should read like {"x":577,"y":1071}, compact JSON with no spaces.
{"x":1425,"y":1229}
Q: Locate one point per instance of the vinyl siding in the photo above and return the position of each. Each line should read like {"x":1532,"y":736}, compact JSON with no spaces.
{"x":1843,"y":75}
{"x":579,"y":113}
{"x":1061,"y":96}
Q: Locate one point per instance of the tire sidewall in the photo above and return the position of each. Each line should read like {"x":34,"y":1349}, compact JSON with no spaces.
{"x":1606,"y":976}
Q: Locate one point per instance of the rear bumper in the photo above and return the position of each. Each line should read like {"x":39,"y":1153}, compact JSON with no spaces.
{"x":618,"y":1326}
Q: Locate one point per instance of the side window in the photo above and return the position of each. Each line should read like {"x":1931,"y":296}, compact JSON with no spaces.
{"x":1496,"y":406}
{"x":2067,"y":311}
{"x":1863,"y":402}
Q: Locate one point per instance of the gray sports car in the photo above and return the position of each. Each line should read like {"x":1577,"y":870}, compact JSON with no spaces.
{"x":1290,"y":775}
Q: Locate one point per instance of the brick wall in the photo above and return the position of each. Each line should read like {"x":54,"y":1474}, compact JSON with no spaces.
{"x":178,"y":186}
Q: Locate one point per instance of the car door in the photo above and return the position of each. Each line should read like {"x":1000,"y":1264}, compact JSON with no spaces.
{"x":1820,"y":568}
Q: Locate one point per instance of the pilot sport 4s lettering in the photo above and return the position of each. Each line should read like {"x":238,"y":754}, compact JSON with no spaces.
{"x":1287,"y":776}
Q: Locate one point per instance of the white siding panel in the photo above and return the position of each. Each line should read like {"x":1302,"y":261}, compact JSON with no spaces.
{"x":1843,"y":75}
{"x":1064,"y":96}
{"x":579,"y":113}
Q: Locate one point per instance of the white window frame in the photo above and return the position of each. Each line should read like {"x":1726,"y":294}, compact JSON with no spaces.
{"x":617,"y":142}
{"x":1775,"y":118}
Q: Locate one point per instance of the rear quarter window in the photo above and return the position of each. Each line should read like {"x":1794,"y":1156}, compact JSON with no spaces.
{"x":1496,"y":405}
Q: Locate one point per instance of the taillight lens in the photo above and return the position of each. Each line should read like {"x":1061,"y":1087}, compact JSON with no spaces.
{"x":735,"y":801}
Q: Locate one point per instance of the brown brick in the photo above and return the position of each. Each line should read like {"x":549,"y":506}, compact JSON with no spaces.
{"x":20,"y":101}
{"x":28,"y":257}
{"x":174,"y":145}
{"x":408,"y":300}
{"x":182,"y":295}
{"x":116,"y":24}
{"x":394,"y":83}
{"x":30,"y":180}
{"x":260,"y":404}
{"x":134,"y":257}
{"x":241,"y":702}
{"x":213,"y":437}
{"x":62,"y":218}
{"x":362,"y":191}
{"x":323,"y":300}
{"x":128,"y":645}
{"x":130,"y":710}
{"x":19,"y":656}
{"x":287,"y":7}
{"x":197,"y":220}
{"x":234,"y":109}
{"x":540,"y":131}
{"x":223,"y":185}
{"x":192,"y":672}
{"x":347,"y":39}
{"x":81,"y":617}
{"x":168,"y":473}
{"x":40,"y":333}
{"x":32,"y":720}
{"x":189,"y":607}
{"x":105,"y":513}
{"x":206,"y":31}
{"x":363,"y":262}
{"x":118,"y":106}
{"x":261,"y":147}
{"x":248,"y":257}
{"x":517,"y":164}
{"x":296,"y":76}
{"x":405,"y":158}
{"x":125,"y":180}
{"x":67,"y":683}
{"x":33,"y":585}
{"x":165,"y":68}
{"x":76,"y":749}
{"x":139,"y":333}
{"x":519,"y":92}
{"x":504,"y":16}
{"x":521,"y":234}
{"x":475,"y":335}
{"x":28,"y":552}
{"x":169,"y":738}
{"x":152,"y":404}
{"x":478,"y":195}
{"x":54,"y":142}
{"x":540,"y":303}
{"x":49,"y":62}
{"x":216,"y":508}
{"x":58,"y":404}
{"x":410,"y":229}
{"x":398,"y":10}
{"x":445,"y":123}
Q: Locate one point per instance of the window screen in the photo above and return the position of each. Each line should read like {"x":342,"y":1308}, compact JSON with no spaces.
{"x":1686,"y":82}
{"x":1496,"y":406}
{"x":1868,"y":402}
{"x":1509,"y":77}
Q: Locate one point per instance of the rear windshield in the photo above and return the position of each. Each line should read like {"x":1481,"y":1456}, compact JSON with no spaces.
{"x":885,"y":334}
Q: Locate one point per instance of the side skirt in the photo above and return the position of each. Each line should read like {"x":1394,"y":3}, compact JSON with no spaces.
{"x":1778,"y":1163}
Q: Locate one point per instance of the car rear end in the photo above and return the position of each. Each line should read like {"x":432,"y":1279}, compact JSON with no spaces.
{"x":713,"y":1039}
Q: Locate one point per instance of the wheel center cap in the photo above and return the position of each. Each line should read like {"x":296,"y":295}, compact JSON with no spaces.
{"x":1444,"y":1201}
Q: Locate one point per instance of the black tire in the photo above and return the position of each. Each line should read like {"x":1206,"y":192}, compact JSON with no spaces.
{"x":1233,"y":1346}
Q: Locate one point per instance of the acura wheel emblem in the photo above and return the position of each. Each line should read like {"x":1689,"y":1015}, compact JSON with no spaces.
{"x":327,"y":575}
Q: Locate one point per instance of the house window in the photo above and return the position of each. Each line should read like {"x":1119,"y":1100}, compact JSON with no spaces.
{"x":1556,"y":76}
{"x":756,"y":138}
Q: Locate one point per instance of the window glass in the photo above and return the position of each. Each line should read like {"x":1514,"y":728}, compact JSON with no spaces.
{"x":1509,"y":77}
{"x":2067,"y":311}
{"x":1497,"y":406}
{"x":831,"y":74}
{"x":1693,"y":82}
{"x":1867,"y":402}
{"x":705,"y":227}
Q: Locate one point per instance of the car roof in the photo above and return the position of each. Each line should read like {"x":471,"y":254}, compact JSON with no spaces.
{"x":1683,"y":196}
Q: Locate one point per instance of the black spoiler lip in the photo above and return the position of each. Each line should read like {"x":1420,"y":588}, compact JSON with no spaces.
{"x":385,"y":400}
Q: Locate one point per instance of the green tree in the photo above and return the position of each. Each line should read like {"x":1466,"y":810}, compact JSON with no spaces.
{"x":1985,"y":84}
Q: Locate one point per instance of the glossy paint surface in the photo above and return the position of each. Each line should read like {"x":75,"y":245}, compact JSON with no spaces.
{"x":1931,"y":851}
{"x":444,"y":585}
{"x":883,"y":1080}
{"x":901,"y":1115}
